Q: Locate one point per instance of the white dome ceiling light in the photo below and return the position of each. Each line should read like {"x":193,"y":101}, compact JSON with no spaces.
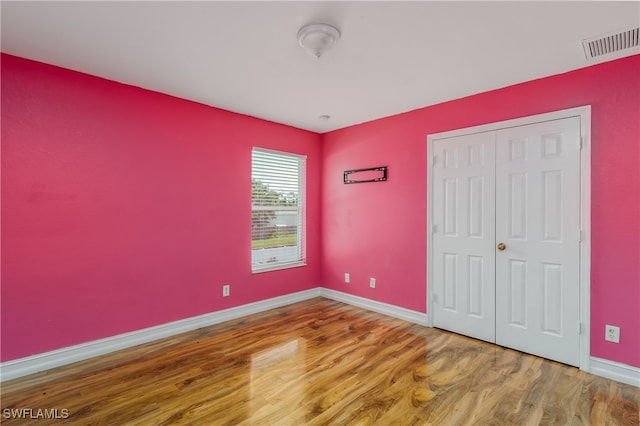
{"x":317,"y":38}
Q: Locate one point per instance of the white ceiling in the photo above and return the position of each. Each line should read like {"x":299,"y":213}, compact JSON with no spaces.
{"x":243,"y":56}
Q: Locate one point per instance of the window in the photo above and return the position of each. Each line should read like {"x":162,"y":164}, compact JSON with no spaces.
{"x":277,"y":210}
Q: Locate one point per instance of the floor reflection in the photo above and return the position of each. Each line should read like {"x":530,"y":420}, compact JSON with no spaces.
{"x":277,"y":382}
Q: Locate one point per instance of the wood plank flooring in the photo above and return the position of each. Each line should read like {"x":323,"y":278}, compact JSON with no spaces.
{"x":320,"y":362}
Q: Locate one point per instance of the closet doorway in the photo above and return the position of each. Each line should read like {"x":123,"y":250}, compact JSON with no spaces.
{"x":507,"y":253}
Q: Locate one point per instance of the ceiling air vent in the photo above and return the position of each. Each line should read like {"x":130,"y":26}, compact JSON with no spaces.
{"x":619,"y":43}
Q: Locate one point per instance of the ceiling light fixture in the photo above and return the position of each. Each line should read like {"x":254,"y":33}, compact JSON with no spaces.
{"x":316,"y":38}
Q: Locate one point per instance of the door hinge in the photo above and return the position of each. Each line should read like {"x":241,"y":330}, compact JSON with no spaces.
{"x":579,"y":328}
{"x":435,"y":298}
{"x":434,"y":160}
{"x":580,"y":235}
{"x":434,"y":229}
{"x":580,"y":143}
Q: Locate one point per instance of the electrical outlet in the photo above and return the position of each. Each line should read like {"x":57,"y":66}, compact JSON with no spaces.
{"x":347,"y":278}
{"x":612,"y":333}
{"x":225,"y":290}
{"x":372,"y":282}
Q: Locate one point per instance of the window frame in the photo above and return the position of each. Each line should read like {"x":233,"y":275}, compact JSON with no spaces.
{"x":300,"y":258}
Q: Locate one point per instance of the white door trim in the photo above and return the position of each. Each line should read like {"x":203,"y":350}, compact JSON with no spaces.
{"x":584,"y":113}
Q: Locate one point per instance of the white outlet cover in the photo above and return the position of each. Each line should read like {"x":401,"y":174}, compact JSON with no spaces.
{"x":612,"y":333}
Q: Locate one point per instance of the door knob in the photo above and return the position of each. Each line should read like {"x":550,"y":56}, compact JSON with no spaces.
{"x":502,"y":246}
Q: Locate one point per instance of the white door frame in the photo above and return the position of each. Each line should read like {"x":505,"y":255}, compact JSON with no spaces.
{"x":584,"y":113}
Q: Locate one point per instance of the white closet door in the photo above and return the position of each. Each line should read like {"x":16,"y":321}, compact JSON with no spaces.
{"x":537,"y":219}
{"x":464,"y":235}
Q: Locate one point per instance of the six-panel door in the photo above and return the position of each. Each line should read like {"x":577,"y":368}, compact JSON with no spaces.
{"x":538,"y":220}
{"x":464,"y":272}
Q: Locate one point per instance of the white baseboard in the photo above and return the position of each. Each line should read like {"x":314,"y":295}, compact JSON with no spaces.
{"x":45,"y":361}
{"x":380,"y":307}
{"x":615,"y":371}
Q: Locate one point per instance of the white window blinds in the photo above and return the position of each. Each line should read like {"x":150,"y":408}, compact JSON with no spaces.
{"x":277,"y":214}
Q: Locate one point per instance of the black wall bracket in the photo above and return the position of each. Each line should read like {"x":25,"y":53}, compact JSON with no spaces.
{"x":372,"y":174}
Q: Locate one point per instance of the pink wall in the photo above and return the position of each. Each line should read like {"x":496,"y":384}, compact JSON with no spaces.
{"x":379,"y":230}
{"x":124,"y":208}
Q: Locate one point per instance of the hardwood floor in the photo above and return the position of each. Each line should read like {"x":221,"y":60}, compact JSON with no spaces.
{"x":321,"y":362}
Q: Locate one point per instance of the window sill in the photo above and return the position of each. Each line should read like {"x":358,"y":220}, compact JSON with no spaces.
{"x":276,"y":267}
